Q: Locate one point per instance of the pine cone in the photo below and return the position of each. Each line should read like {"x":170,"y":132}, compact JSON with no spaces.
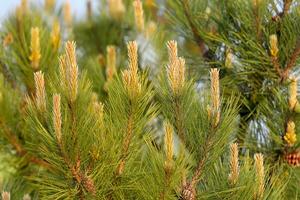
{"x":293,"y":158}
{"x":188,"y":193}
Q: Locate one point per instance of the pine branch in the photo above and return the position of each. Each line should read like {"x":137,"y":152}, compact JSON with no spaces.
{"x":189,"y":189}
{"x":78,"y":175}
{"x":286,"y":6}
{"x":82,"y":179}
{"x":8,"y":75}
{"x":292,"y":61}
{"x":14,"y":141}
{"x":257,"y":21}
{"x":167,"y":181}
{"x":277,"y":66}
{"x":179,"y":125}
{"x":84,"y":184}
{"x":198,"y":172}
{"x":200,"y":42}
{"x":126,"y":143}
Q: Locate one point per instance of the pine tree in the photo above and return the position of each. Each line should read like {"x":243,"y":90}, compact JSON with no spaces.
{"x":181,"y":99}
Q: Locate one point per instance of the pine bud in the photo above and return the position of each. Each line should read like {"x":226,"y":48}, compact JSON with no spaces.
{"x":19,"y":14}
{"x":8,"y":39}
{"x":260,"y":174}
{"x":99,"y":110}
{"x":71,"y":69}
{"x":26,"y":197}
{"x":172,"y":50}
{"x":130,"y":76}
{"x":24,"y":6}
{"x":40,"y":92}
{"x":133,"y":57}
{"x":207,"y":13}
{"x":228,"y":59}
{"x":215,"y":96}
{"x":67,"y":14}
{"x":5,"y":195}
{"x":21,"y":10}
{"x":290,"y":136}
{"x":150,"y":29}
{"x":55,"y":35}
{"x":256,"y":3}
{"x":49,"y":5}
{"x":111,"y":62}
{"x":139,"y":15}
{"x":176,"y":69}
{"x":150,"y":3}
{"x":168,"y":144}
{"x":208,"y":109}
{"x":116,"y":9}
{"x":35,"y":48}
{"x":273,"y":45}
{"x":234,"y":164}
{"x":293,"y":102}
{"x":57,"y":117}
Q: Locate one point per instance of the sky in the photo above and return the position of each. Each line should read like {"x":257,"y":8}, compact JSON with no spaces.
{"x":7,"y":6}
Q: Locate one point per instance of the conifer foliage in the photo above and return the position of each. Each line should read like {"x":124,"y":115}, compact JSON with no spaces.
{"x":118,"y":105}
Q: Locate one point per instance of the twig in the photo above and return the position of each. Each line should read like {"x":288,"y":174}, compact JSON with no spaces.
{"x":79,"y":176}
{"x":189,"y":189}
{"x":178,"y":120}
{"x":292,"y":61}
{"x":277,"y":66}
{"x":126,"y":143}
{"x":257,"y":21}
{"x":197,"y":37}
{"x":286,"y":6}
{"x":14,"y":141}
{"x":7,"y":75}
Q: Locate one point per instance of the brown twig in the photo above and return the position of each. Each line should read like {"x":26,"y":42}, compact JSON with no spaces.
{"x":284,"y":73}
{"x":292,"y":61}
{"x":126,"y":143}
{"x":124,"y":154}
{"x":8,"y":75}
{"x":286,"y":6}
{"x":257,"y":21}
{"x":277,"y":66}
{"x":167,"y":181}
{"x":14,"y":141}
{"x":82,"y":179}
{"x":78,"y":174}
{"x":178,"y":120}
{"x":200,"y":42}
{"x":189,"y":189}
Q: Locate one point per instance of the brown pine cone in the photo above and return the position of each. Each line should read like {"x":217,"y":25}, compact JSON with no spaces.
{"x":188,"y":193}
{"x":293,"y":158}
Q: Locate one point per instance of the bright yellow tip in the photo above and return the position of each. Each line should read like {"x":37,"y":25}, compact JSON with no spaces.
{"x":290,"y":136}
{"x":274,"y":45}
{"x":116,"y":9}
{"x":35,"y":48}
{"x":139,"y":15}
{"x":130,"y":76}
{"x":293,"y":101}
{"x":55,"y":35}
